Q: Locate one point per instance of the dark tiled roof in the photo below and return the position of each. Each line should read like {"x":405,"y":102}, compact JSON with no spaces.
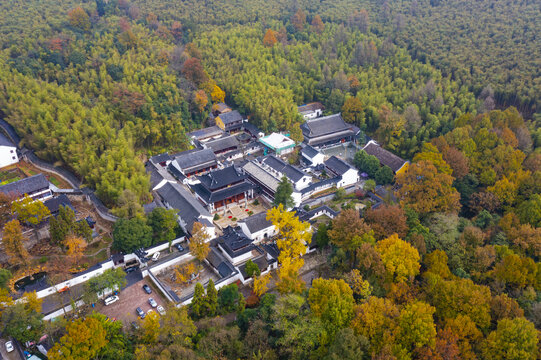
{"x":4,"y":141}
{"x":230,"y":117}
{"x":324,"y":125}
{"x":54,"y":204}
{"x":321,"y":184}
{"x":310,"y":107}
{"x":308,"y":215}
{"x":272,"y":250}
{"x":222,"y":144}
{"x":193,"y":160}
{"x":337,"y":166}
{"x":257,"y":222}
{"x":189,"y":209}
{"x":220,"y":178}
{"x":205,"y":133}
{"x":279,"y":165}
{"x":163,"y":157}
{"x":251,"y":129}
{"x":261,"y":263}
{"x":213,"y":196}
{"x":157,"y":173}
{"x":385,"y":157}
{"x":221,"y":107}
{"x":217,"y":261}
{"x":234,"y":242}
{"x":309,"y":151}
{"x":26,"y":186}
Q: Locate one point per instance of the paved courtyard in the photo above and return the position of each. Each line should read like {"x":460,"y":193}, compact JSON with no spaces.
{"x":129,"y":299}
{"x":239,"y":212}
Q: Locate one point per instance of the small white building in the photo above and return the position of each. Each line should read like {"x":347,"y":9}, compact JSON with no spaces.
{"x":311,"y":156}
{"x":279,"y":168}
{"x":278,"y":144}
{"x":257,"y":227}
{"x":338,"y":167}
{"x":8,"y":152}
{"x":311,"y":110}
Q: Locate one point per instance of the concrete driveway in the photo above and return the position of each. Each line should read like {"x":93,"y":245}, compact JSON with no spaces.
{"x":14,"y":355}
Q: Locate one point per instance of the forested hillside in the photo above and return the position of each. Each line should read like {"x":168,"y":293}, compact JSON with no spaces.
{"x":444,"y":266}
{"x":125,"y":62}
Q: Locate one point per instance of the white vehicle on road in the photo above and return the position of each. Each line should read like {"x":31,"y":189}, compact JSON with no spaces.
{"x":9,"y":346}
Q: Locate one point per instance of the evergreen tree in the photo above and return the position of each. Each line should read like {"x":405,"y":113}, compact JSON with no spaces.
{"x":212,"y":299}
{"x":199,"y":301}
{"x":283,"y":194}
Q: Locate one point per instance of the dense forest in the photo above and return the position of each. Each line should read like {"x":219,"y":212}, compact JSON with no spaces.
{"x":449,"y":270}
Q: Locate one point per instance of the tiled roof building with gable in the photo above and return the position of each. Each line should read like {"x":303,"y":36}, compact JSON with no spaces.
{"x":385,"y":157}
{"x":328,"y":130}
{"x":221,"y":188}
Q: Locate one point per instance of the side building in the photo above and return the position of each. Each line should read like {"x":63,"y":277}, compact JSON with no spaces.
{"x":385,"y":157}
{"x":189,"y":210}
{"x":193,"y":162}
{"x":37,"y":187}
{"x":8,"y":152}
{"x":311,"y":110}
{"x":328,"y":131}
{"x":230,"y":121}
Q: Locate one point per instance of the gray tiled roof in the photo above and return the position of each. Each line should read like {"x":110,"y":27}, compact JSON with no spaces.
{"x":193,"y":160}
{"x":217,"y":261}
{"x":214,"y":196}
{"x":337,"y":166}
{"x":311,"y":107}
{"x":234,"y":242}
{"x":54,"y":204}
{"x":26,"y":186}
{"x":324,"y":125}
{"x":279,"y":165}
{"x":163,"y":157}
{"x":189,"y":209}
{"x":385,"y":157}
{"x":230,"y":117}
{"x":257,"y":222}
{"x":205,"y":133}
{"x":309,"y":151}
{"x":261,"y":175}
{"x":157,"y":173}
{"x":220,"y":178}
{"x":4,"y":141}
{"x":223,"y":143}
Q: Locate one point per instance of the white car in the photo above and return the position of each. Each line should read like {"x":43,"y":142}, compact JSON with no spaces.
{"x":160,"y":310}
{"x":152,"y":302}
{"x":156,"y":256}
{"x":110,"y":300}
{"x":9,"y":346}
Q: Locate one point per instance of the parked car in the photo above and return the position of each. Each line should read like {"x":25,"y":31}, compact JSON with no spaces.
{"x":179,"y":247}
{"x":156,"y":256}
{"x":111,"y":299}
{"x":140,"y":312}
{"x":147,"y":289}
{"x":152,"y":302}
{"x":150,"y":311}
{"x":130,"y":269}
{"x":160,"y":310}
{"x":9,"y":346}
